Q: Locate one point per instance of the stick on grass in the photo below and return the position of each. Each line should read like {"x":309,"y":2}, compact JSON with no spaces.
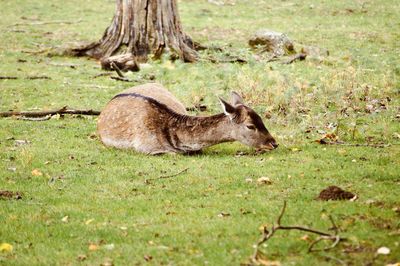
{"x":61,"y":111}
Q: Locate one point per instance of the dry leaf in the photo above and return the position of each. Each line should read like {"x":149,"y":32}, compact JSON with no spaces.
{"x":65,"y":219}
{"x":82,"y":257}
{"x":5,"y":247}
{"x":263,"y":227}
{"x":89,"y":221}
{"x":93,"y":247}
{"x":109,"y":246}
{"x":264,"y":181}
{"x":224,"y":214}
{"x":305,"y":238}
{"x":36,"y":172}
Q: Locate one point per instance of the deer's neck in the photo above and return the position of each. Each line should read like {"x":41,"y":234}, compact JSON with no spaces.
{"x":194,"y":133}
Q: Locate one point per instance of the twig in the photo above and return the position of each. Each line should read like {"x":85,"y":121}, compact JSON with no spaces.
{"x":103,"y":75}
{"x":64,"y":110}
{"x":38,"y":77}
{"x":122,"y":79}
{"x":299,"y":56}
{"x":374,"y":145}
{"x":169,"y":176}
{"x":267,"y":234}
{"x":46,"y":22}
{"x":147,"y":181}
{"x":5,"y":77}
{"x":227,"y":60}
{"x":36,"y":119}
{"x":116,"y":68}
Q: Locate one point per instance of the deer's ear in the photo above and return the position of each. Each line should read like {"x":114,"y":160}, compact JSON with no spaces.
{"x":229,"y":110}
{"x":236,"y":99}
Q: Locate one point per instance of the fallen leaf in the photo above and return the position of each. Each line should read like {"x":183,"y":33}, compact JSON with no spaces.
{"x":93,"y":247}
{"x":248,"y":180}
{"x":263,"y":227}
{"x":147,"y":257}
{"x":36,"y":172}
{"x":109,"y":246}
{"x":383,"y":251}
{"x":89,"y":221}
{"x":82,"y":257}
{"x":305,"y":238}
{"x":5,"y":247}
{"x":65,"y":219}
{"x":224,"y":214}
{"x":264,"y":181}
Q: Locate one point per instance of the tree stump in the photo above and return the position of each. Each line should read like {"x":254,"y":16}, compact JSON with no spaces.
{"x":142,"y":28}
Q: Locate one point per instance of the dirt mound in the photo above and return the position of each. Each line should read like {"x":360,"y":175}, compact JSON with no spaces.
{"x":5,"y":194}
{"x":335,"y":193}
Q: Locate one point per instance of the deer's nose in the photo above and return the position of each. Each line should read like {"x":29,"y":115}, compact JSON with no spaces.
{"x":275,"y":145}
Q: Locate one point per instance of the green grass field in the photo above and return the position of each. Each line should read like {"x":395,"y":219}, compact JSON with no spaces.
{"x":86,"y":204}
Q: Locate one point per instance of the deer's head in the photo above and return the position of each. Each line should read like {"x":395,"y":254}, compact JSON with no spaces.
{"x":248,"y":127}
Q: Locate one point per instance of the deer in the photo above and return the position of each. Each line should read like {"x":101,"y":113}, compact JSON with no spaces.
{"x":149,"y":119}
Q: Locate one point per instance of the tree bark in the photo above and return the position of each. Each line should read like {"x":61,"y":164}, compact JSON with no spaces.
{"x":142,"y":28}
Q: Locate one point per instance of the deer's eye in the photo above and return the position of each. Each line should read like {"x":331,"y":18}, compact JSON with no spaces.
{"x":251,"y":127}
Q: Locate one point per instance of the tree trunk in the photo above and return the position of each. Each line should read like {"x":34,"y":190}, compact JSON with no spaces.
{"x":141,"y":28}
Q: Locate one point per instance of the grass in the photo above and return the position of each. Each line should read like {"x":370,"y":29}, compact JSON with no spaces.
{"x":354,"y":93}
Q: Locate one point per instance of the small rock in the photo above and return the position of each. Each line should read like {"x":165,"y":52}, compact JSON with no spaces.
{"x":276,"y":43}
{"x":109,"y":246}
{"x":383,"y":251}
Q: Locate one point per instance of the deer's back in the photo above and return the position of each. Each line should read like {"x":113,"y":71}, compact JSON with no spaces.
{"x":158,"y":93}
{"x":136,"y":118}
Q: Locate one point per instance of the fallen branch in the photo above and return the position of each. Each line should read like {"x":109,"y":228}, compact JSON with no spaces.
{"x":35,"y":119}
{"x":374,"y":145}
{"x":4,"y":77}
{"x":268,"y":233}
{"x":61,"y":111}
{"x":116,"y":68}
{"x":38,"y":77}
{"x":34,"y":23}
{"x":296,"y":57}
{"x":230,"y":59}
{"x":102,"y":75}
{"x":122,"y":79}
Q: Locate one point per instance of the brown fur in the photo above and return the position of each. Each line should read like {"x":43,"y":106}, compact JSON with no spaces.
{"x":149,"y":119}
